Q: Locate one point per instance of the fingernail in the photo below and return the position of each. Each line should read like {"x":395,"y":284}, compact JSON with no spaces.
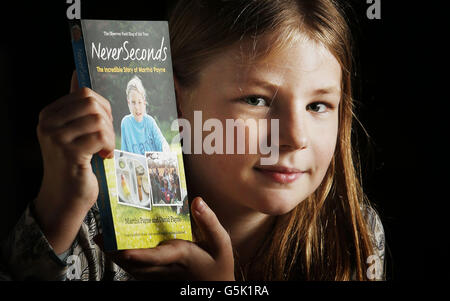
{"x":201,"y":207}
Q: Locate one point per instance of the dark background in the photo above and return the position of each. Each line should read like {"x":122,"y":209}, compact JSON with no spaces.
{"x":36,"y":64}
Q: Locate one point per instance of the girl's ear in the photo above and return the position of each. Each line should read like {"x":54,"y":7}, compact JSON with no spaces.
{"x":178,"y":96}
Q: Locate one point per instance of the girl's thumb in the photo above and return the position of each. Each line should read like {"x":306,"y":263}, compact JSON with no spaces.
{"x":217,"y":239}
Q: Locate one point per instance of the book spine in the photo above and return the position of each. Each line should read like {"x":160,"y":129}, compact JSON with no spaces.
{"x":103,"y":202}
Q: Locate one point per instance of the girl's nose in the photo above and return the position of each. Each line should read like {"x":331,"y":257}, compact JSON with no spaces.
{"x":293,"y":129}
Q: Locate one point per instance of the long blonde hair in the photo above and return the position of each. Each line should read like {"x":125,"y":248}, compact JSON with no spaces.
{"x":325,"y":237}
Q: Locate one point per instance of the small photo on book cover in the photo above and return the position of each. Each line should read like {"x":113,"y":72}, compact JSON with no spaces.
{"x":143,"y":194}
{"x":165,"y":179}
{"x":132,"y":180}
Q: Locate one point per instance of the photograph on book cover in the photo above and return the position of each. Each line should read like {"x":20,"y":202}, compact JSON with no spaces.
{"x":164,"y":177}
{"x":132,"y":180}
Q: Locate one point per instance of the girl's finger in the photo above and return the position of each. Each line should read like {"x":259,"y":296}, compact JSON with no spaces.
{"x":74,"y":82}
{"x":54,"y":109}
{"x":93,"y":143}
{"x":216,"y":237}
{"x":168,"y":253}
{"x":77,"y":109}
{"x":85,"y":125}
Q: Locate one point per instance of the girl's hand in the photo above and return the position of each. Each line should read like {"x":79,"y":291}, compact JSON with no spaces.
{"x":209,"y":259}
{"x":70,"y":131}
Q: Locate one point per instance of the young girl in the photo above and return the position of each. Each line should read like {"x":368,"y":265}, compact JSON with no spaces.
{"x":139,"y":131}
{"x":305,"y":217}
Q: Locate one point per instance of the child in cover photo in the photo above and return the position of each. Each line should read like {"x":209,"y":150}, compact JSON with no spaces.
{"x":139,"y":131}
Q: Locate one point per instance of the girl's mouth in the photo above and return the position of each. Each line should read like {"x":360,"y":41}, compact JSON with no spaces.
{"x":280,"y":174}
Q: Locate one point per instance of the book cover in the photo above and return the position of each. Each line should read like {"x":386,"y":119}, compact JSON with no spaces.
{"x":143,"y":196}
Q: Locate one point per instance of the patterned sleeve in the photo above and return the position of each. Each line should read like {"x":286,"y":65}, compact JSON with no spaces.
{"x":376,"y":262}
{"x":27,"y":255}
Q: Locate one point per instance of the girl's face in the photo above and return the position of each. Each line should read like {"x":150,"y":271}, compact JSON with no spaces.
{"x":136,"y":104}
{"x":299,"y":86}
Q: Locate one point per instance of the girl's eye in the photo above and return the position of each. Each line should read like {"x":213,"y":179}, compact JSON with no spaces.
{"x":255,"y":101}
{"x":317,"y":107}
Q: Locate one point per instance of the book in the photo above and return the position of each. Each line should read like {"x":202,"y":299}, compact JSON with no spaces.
{"x":143,"y":195}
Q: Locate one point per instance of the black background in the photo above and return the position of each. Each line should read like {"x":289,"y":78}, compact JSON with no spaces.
{"x":36,"y":64}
